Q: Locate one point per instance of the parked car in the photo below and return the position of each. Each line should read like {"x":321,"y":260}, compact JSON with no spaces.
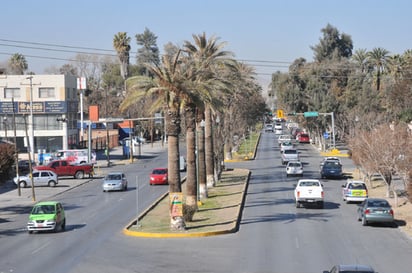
{"x":351,"y":268}
{"x":182,"y":164}
{"x":331,"y":169}
{"x":24,"y":166}
{"x":294,"y":168}
{"x":67,"y":168}
{"x":47,"y":215}
{"x":303,"y":138}
{"x":354,"y":191}
{"x":159,"y":177}
{"x":115,"y":181}
{"x":40,"y":178}
{"x":375,"y":210}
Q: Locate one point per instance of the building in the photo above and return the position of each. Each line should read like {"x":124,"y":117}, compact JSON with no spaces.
{"x":43,"y":106}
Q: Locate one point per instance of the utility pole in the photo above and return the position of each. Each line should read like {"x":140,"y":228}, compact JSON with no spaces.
{"x":15,"y":149}
{"x":30,"y":159}
{"x":107,"y":135}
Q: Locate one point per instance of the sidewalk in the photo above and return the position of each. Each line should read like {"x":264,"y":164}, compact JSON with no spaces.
{"x":12,"y":204}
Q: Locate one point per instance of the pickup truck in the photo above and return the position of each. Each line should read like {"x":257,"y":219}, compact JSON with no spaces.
{"x":309,"y":191}
{"x":65,"y":168}
{"x":289,"y":155}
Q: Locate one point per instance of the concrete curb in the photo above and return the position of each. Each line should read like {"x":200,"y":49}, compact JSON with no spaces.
{"x":185,"y":234}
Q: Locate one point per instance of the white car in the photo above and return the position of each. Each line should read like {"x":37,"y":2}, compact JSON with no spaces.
{"x":287,"y":145}
{"x":294,"y":168}
{"x":284,"y":138}
{"x":40,"y":178}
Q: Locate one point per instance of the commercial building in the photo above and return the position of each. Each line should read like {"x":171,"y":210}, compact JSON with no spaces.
{"x":45,"y":107}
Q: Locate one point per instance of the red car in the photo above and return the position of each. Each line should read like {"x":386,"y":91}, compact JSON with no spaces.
{"x":159,"y":177}
{"x":303,"y":138}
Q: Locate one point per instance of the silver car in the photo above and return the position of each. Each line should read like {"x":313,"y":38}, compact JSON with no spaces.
{"x":375,"y":210}
{"x":40,"y":178}
{"x":115,"y":181}
{"x":294,"y":168}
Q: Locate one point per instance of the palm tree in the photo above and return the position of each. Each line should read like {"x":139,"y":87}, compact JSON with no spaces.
{"x":168,"y":88}
{"x":18,"y":64}
{"x":378,"y":58}
{"x":121,"y":44}
{"x":207,"y":55}
{"x":361,"y":57}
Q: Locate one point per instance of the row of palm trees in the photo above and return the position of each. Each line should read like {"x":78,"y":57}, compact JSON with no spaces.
{"x":196,"y":83}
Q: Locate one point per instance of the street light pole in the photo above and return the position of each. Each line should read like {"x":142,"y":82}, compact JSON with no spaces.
{"x":107,"y":135}
{"x":31,"y":139}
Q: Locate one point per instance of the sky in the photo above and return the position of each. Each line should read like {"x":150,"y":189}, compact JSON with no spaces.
{"x":267,"y":34}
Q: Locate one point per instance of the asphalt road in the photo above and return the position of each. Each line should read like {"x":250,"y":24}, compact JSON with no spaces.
{"x":274,"y":236}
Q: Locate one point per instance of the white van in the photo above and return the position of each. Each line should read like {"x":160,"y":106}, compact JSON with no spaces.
{"x":182,"y":164}
{"x":75,"y":156}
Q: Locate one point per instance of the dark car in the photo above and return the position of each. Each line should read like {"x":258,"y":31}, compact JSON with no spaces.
{"x":331,"y":169}
{"x":352,"y":268}
{"x":24,"y":167}
{"x":375,"y":210}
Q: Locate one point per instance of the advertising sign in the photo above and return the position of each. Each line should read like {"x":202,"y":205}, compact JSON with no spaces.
{"x":176,"y":204}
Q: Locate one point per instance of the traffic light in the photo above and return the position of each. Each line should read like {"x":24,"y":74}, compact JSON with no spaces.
{"x":279,"y":113}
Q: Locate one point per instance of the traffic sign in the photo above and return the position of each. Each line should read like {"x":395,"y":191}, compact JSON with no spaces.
{"x":279,"y":113}
{"x":326,"y":135}
{"x":310,"y":114}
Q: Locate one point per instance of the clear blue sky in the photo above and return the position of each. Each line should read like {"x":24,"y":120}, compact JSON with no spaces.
{"x":255,"y":30}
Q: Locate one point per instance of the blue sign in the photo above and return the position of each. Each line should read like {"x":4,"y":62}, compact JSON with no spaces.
{"x":310,"y":114}
{"x":326,"y":135}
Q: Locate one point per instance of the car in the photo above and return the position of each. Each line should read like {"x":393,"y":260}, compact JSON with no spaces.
{"x":375,"y":210}
{"x":47,"y":215}
{"x":294,"y":168}
{"x":115,"y":181}
{"x":351,"y":268}
{"x":309,"y":192}
{"x":287,"y":145}
{"x":159,"y":176}
{"x":289,"y":155}
{"x":331,"y":169}
{"x":24,"y":166}
{"x":182,"y":164}
{"x":269,"y":127}
{"x":330,"y":158}
{"x":278,"y":131}
{"x":40,"y":178}
{"x":278,"y":126}
{"x":303,"y":138}
{"x":354,"y":191}
{"x":283,"y":138}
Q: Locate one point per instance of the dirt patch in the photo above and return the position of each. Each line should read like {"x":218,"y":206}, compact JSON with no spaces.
{"x":218,"y":212}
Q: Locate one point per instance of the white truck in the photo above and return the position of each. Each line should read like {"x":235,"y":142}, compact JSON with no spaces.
{"x":289,"y":155}
{"x":309,"y":191}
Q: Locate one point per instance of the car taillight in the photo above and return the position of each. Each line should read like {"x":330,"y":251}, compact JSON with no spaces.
{"x":298,"y":193}
{"x":367,"y":211}
{"x":391,"y":212}
{"x":322,"y":193}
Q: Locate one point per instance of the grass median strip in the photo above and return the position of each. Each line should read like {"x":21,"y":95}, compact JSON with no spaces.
{"x":218,"y":212}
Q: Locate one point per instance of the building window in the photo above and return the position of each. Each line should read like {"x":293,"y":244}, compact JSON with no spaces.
{"x":11,"y":93}
{"x":46,"y":92}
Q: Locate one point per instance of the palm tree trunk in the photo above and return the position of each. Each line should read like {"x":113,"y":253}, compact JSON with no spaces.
{"x":201,"y":156}
{"x":191,"y":179}
{"x":173,"y":130}
{"x":210,"y":166}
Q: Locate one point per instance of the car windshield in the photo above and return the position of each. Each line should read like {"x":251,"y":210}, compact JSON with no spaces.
{"x":294,"y":164}
{"x":378,"y":203}
{"x":159,"y":171}
{"x":309,"y":184}
{"x":357,"y":186}
{"x":113,"y":177}
{"x":43,"y":209}
{"x":290,"y":152}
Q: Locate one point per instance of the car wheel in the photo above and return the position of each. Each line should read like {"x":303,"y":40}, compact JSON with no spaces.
{"x":297,"y":204}
{"x":30,"y":231}
{"x":52,"y":183}
{"x":79,"y":175}
{"x":22,"y":184}
{"x":321,"y":205}
{"x":364,"y":222}
{"x":287,"y":175}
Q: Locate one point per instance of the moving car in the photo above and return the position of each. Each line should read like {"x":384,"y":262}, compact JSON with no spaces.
{"x":289,"y":155}
{"x":351,"y":268}
{"x":269,"y":127}
{"x":375,"y":210}
{"x":115,"y":181}
{"x":283,"y":138}
{"x":287,"y":145}
{"x":309,"y":191}
{"x":294,"y":168}
{"x":159,"y":177}
{"x":331,"y":169}
{"x":47,"y":215}
{"x":354,"y":191}
{"x":303,"y":138}
{"x":40,"y":178}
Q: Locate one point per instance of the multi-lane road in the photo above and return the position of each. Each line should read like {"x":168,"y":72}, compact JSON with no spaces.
{"x":274,"y":236}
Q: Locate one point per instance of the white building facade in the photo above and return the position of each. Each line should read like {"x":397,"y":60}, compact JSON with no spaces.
{"x":45,"y":107}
